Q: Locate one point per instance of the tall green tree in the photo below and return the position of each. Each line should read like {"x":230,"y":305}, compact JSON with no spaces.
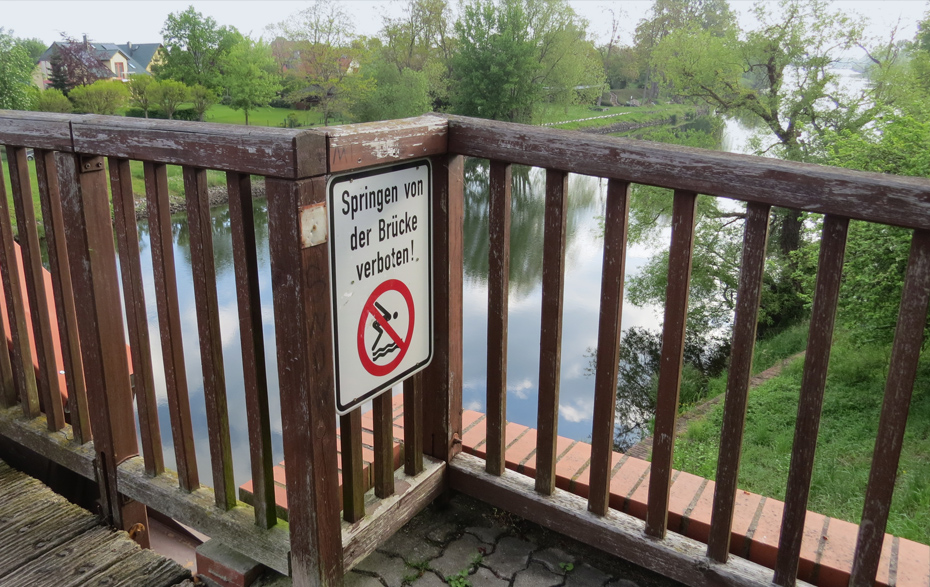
{"x":34,"y":47}
{"x":250,"y":75}
{"x":495,"y":63}
{"x":392,"y":93}
{"x":781,"y":75}
{"x":423,"y":40}
{"x":713,"y":17}
{"x":512,"y":54}
{"x":15,"y":74}
{"x":194,"y":46}
{"x":322,"y":37}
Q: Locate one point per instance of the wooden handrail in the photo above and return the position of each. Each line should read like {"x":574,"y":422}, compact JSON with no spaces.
{"x":888,"y":199}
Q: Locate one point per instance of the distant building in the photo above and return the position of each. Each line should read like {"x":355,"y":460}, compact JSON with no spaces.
{"x":114,"y":61}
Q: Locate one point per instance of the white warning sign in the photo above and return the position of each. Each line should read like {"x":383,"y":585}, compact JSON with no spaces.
{"x":380,"y":242}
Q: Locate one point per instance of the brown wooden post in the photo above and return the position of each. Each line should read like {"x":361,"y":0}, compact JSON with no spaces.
{"x":745,"y":319}
{"x":50,"y":198}
{"x":684,"y":207}
{"x":92,"y":258}
{"x":47,"y":380}
{"x":23,"y":374}
{"x":442,"y":397}
{"x":899,"y":386}
{"x":498,"y":297}
{"x":303,"y":331}
{"x":616,"y":223}
{"x":550,"y":344}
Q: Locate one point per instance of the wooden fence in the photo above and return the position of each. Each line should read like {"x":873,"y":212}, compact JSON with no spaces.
{"x":82,"y":167}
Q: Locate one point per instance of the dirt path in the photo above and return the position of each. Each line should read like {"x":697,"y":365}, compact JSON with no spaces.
{"x":643,"y":449}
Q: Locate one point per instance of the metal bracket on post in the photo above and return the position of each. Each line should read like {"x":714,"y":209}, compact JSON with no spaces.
{"x":90,"y":163}
{"x":313,"y":228}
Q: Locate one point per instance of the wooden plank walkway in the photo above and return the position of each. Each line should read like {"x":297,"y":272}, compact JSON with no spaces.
{"x":46,"y":540}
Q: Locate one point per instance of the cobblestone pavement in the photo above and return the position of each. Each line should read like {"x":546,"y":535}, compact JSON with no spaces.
{"x":467,"y":543}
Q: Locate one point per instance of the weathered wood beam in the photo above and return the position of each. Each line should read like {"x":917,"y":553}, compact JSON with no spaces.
{"x":890,"y":199}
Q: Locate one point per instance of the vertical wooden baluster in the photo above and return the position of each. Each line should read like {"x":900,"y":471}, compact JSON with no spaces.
{"x":169,"y":320}
{"x":255,"y":379}
{"x":85,"y":211}
{"x":24,"y":375}
{"x":47,"y":380}
{"x":127,"y":237}
{"x":304,"y":334}
{"x":752,"y":266}
{"x":63,"y":292}
{"x":817,"y":358}
{"x":550,"y":346}
{"x":353,"y":485}
{"x":203,"y":271}
{"x":498,"y":290}
{"x":413,"y":424}
{"x":7,"y":385}
{"x":905,"y":354}
{"x":383,"y":416}
{"x":8,"y":389}
{"x":608,"y":343}
{"x":673,"y":348}
{"x":442,"y":432}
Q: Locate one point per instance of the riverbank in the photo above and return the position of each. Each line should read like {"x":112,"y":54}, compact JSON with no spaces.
{"x":849,"y":424}
{"x":218,"y":195}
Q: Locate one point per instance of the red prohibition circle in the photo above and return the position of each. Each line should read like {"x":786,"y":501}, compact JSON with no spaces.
{"x":402,"y":345}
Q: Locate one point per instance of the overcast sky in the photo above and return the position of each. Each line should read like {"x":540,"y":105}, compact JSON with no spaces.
{"x":140,"y":21}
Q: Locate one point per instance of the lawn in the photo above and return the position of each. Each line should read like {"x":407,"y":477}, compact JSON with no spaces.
{"x":852,"y":403}
{"x":677,"y":112}
{"x":264,"y":116}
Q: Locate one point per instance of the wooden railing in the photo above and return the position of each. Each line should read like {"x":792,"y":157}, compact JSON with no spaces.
{"x":96,"y":435}
{"x":762,"y":183}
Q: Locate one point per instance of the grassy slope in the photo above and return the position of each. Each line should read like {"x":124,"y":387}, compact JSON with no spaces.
{"x":852,"y":403}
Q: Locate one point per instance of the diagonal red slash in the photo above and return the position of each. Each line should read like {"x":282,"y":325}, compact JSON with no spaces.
{"x":385,"y":325}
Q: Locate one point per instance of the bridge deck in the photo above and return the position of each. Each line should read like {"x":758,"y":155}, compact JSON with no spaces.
{"x":46,"y":540}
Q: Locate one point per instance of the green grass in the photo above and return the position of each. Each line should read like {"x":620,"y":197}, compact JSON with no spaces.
{"x":9,"y":188}
{"x":175,"y":179}
{"x":264,"y":116}
{"x":852,"y":403}
{"x":622,"y":114}
{"x":773,"y":349}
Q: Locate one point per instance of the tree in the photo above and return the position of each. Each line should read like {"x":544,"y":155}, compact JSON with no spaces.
{"x":139,"y":86}
{"x":876,"y":254}
{"x":779,"y":74}
{"x":513,"y":53}
{"x":52,"y":100}
{"x":75,"y":63}
{"x":100,"y":97}
{"x":320,"y":38}
{"x":194,"y":46}
{"x":393,"y":94}
{"x":250,"y":76}
{"x":34,"y":47}
{"x":15,"y":74}
{"x":713,"y":17}
{"x":422,"y":40}
{"x":495,"y":63}
{"x":168,"y":95}
{"x":202,"y":98}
